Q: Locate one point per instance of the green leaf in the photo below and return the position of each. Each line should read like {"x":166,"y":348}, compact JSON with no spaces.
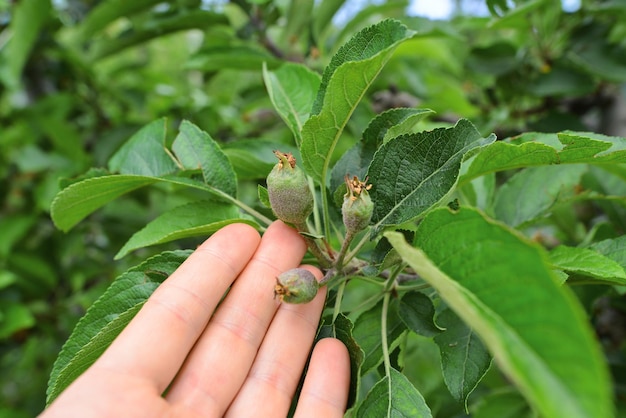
{"x":394,"y":397}
{"x":195,"y":219}
{"x":14,"y":317}
{"x":418,"y":312}
{"x":237,"y":57}
{"x":107,"y":11}
{"x":342,"y":329}
{"x":562,"y":80}
{"x":323,"y":15}
{"x":154,"y":28}
{"x":371,"y":13}
{"x":496,"y":59}
{"x":389,"y":124}
{"x":253,"y":159}
{"x":7,"y":278}
{"x":364,"y":45}
{"x":144,"y":154}
{"x":589,"y":263}
{"x":615,"y":249}
{"x":74,"y":203}
{"x":592,"y":52}
{"x":299,"y":15}
{"x":588,"y":147}
{"x":412,"y":173}
{"x":106,"y":318}
{"x":91,"y":350}
{"x":405,"y":125}
{"x":501,"y":285}
{"x":503,"y":403}
{"x":346,"y":79}
{"x":532,"y":192}
{"x":14,"y":227}
{"x":196,"y":149}
{"x":534,"y":149}
{"x":292,"y":89}
{"x":367,"y":333}
{"x":464,"y":358}
{"x":264,"y":196}
{"x":26,"y":20}
{"x":516,"y":17}
{"x":38,"y":275}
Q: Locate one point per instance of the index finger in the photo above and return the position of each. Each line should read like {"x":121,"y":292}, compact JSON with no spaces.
{"x":155,"y":343}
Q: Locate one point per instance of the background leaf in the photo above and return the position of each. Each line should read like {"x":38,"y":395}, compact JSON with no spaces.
{"x":238,"y":57}
{"x":504,"y":403}
{"x":532,"y":192}
{"x":464,"y":358}
{"x":253,"y":158}
{"x":589,"y":263}
{"x":324,"y":12}
{"x":413,"y":172}
{"x":615,"y":249}
{"x":29,"y":17}
{"x":540,"y":338}
{"x":367,"y":329}
{"x":417,"y":312}
{"x":15,"y":317}
{"x":108,"y":11}
{"x":155,"y":27}
{"x":394,"y":396}
{"x":106,"y":318}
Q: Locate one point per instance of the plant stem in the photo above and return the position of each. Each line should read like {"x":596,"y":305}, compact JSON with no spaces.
{"x":369,"y":301}
{"x":385,"y":346}
{"x":314,"y":248}
{"x":370,"y":280}
{"x":360,"y":244}
{"x":316,"y":212}
{"x":330,"y":274}
{"x":326,"y":217}
{"x":383,"y":329}
{"x":337,"y":308}
{"x":405,"y":288}
{"x":264,"y":219}
{"x":344,"y":249}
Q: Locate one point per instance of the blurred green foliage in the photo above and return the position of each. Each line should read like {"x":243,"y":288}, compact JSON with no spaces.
{"x":78,"y":77}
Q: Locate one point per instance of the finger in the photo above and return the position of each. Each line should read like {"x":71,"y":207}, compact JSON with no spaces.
{"x":275,"y":374}
{"x":156,"y":342}
{"x":326,"y":385}
{"x":221,"y":359}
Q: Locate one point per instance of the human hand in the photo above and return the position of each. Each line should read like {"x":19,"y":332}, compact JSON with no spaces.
{"x":244,"y":358}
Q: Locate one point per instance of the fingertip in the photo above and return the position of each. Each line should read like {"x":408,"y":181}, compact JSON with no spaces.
{"x":326,"y":386}
{"x":280,"y":228}
{"x":335,"y":356}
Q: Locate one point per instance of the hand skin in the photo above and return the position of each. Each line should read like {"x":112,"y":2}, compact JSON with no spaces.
{"x":244,"y":358}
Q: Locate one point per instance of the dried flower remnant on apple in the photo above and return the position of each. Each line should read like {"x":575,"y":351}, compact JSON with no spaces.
{"x":296,"y":286}
{"x":357,"y":208}
{"x":288,"y":190}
